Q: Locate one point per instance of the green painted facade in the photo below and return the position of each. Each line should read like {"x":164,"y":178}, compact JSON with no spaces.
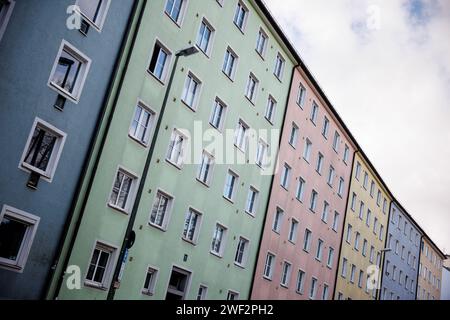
{"x":165,"y":249}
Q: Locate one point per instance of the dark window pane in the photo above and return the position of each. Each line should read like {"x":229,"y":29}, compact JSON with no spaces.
{"x":40,"y":149}
{"x":90,"y":8}
{"x":12,"y":233}
{"x":66,"y":72}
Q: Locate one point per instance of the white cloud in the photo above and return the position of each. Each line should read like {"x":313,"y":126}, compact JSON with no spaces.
{"x":391,"y":85}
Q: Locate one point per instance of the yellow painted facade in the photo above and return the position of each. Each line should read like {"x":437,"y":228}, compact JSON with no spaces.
{"x":363,"y":242}
{"x":430,"y":272}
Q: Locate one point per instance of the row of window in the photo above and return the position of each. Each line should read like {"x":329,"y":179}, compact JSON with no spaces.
{"x":362,"y":278}
{"x":432,"y":257}
{"x":380,"y":199}
{"x":285,"y":280}
{"x":357,"y":243}
{"x":397,"y":219}
{"x":427,"y":275}
{"x":409,"y":257}
{"x":422,"y":294}
{"x":403,"y":278}
{"x":367,"y":217}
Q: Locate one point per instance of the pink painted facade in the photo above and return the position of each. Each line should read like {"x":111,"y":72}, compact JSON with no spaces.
{"x":268,"y":278}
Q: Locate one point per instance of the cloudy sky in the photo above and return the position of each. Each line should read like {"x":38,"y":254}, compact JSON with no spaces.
{"x":385,"y":66}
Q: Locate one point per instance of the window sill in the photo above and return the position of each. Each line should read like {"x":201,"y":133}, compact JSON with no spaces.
{"x":119,"y":209}
{"x":240,"y":149}
{"x":94,"y":285}
{"x":90,"y":22}
{"x":299,"y":105}
{"x":191,"y":108}
{"x":269,"y":121}
{"x":63,"y":92}
{"x":292,"y":242}
{"x":157,"y":227}
{"x":173,"y":164}
{"x":11,"y":267}
{"x":267,"y":278}
{"x":282,"y":285}
{"x":284,"y":187}
{"x":191,"y":242}
{"x":205,"y":184}
{"x":171,"y":19}
{"x":155,"y":77}
{"x":138,"y":141}
{"x":147,"y":293}
{"x":278,"y":78}
{"x":216,"y":254}
{"x":29,"y":169}
{"x":228,"y":77}
{"x":249,"y":100}
{"x":239,"y":265}
{"x":240,"y":30}
{"x":228,"y":199}
{"x":250,"y":214}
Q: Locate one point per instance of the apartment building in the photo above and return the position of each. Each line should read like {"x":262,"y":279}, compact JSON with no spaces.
{"x":197,"y":222}
{"x":364,"y":234}
{"x":299,"y":251}
{"x":430,"y":270}
{"x":401,"y":262}
{"x":54,"y":80}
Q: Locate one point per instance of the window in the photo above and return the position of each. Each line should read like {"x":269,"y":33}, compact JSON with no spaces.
{"x":230,"y":185}
{"x":379,"y":198}
{"x":94,"y":11}
{"x":6,"y":8}
{"x":69,"y":72}
{"x":353,"y":203}
{"x":202,"y":292}
{"x":325,"y":127}
{"x":279,"y":67}
{"x":368,"y":217}
{"x":307,"y":151}
{"x":261,"y":153}
{"x":325,"y":210}
{"x":218,"y":240}
{"x":330,"y":257}
{"x":261,"y":43}
{"x":241,"y":135}
{"x":360,"y":278}
{"x":384,"y":206}
{"x":372,"y":189}
{"x":205,"y":170}
{"x":278,"y":220}
{"x":381,"y":233}
{"x":141,"y":125}
{"x":314,"y":112}
{"x":191,"y":225}
{"x":341,"y":187}
{"x":175,"y":153}
{"x":364,"y":248}
{"x":312,"y":292}
{"x":349,"y":233}
{"x":366,"y":180}
{"x":361,"y":210}
{"x":286,"y":176}
{"x":268,"y":266}
{"x":325,"y":292}
{"x":319,"y":250}
{"x":43,"y":149}
{"x":178,"y":284}
{"x":286,"y":274}
{"x":335,"y":221}
{"x":241,"y":252}
{"x":17,"y":230}
{"x":230,"y":63}
{"x":375,"y":225}
{"x":159,"y":63}
{"x":313,"y":202}
{"x":121,"y":194}
{"x":301,"y":189}
{"x":150,"y":281}
{"x":101,"y":266}
{"x":346,"y":154}
{"x":300,"y":281}
{"x":231,"y":296}
{"x":162,"y":206}
{"x":218,"y":114}
{"x":301,"y":97}
{"x":191,"y":91}
{"x":336,"y":141}
{"x":372,"y":254}
{"x":330,"y":176}
{"x":358,"y":171}
{"x":270,"y":109}
{"x":357,"y":237}
{"x":344,"y":268}
{"x":252,"y":88}
{"x":175,"y":9}
{"x":240,"y":16}
{"x":294,"y":135}
{"x":252,"y":201}
{"x":340,"y":296}
{"x":205,"y":36}
{"x":319,"y":164}
{"x":307,"y":240}
{"x":352,"y":273}
{"x":293,"y":231}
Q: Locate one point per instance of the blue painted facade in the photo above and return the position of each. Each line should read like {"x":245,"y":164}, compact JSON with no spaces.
{"x":401,"y":263}
{"x":28,"y":50}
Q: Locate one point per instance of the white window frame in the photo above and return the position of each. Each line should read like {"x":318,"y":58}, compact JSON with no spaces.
{"x":180,"y":160}
{"x":235,"y":64}
{"x":246,"y":15}
{"x":271,"y":102}
{"x":179,"y":21}
{"x":278,"y":222}
{"x":211,"y":38}
{"x":103,"y":12}
{"x":233,"y":293}
{"x":242,"y":144}
{"x":301,"y":185}
{"x":244,"y":261}
{"x":223,"y":240}
{"x":49,"y":174}
{"x":270,"y":266}
{"x":307,"y":151}
{"x":107,"y":276}
{"x":336,"y":141}
{"x":85,"y":66}
{"x":235,"y":185}
{"x":210,"y":171}
{"x":255,"y":203}
{"x":218,"y":101}
{"x":26,"y":218}
{"x":300,"y":283}
{"x":131,"y":194}
{"x":167,"y":64}
{"x":261,"y":153}
{"x":286,"y":271}
{"x":150,"y":291}
{"x":293,"y":136}
{"x":331,"y":173}
{"x":204,"y":293}
{"x":293,"y":231}
{"x":150,"y":126}
{"x":330,"y":257}
{"x":4,"y":19}
{"x":252,"y":95}
{"x":190,"y":78}
{"x":280,"y":63}
{"x":286,"y":176}
{"x":167,"y":214}
{"x":262,"y":33}
{"x":307,"y":239}
{"x":197,"y":226}
{"x":301,"y":96}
